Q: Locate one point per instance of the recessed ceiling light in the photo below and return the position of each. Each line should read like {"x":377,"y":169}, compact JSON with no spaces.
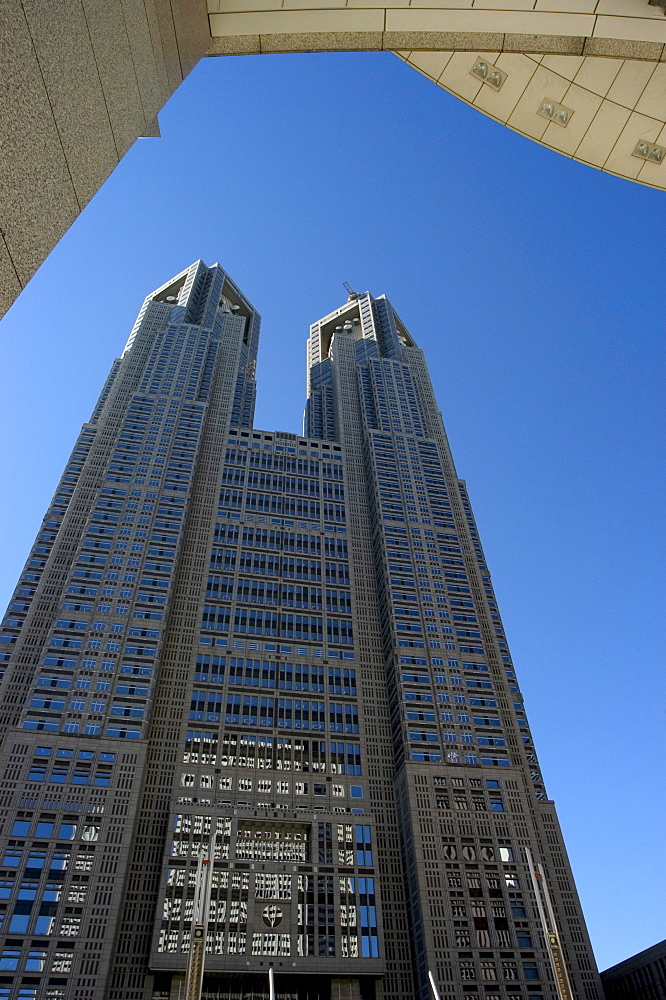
{"x":489,"y":73}
{"x":555,"y":112}
{"x":649,"y":151}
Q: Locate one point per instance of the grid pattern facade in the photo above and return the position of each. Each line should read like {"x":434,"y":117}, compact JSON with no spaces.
{"x":283,"y":650}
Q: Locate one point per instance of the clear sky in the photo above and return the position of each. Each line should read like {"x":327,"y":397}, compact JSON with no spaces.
{"x":536,"y":287}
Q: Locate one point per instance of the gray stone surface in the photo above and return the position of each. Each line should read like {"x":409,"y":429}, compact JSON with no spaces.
{"x":433,"y":41}
{"x":65,"y":55}
{"x":37,"y":196}
{"x":621,"y":48}
{"x":569,"y":45}
{"x":113,"y":57}
{"x":236,"y":45}
{"x":323,"y":41}
{"x":9,"y":282}
{"x":143,"y":56}
{"x":190,"y":18}
{"x":152,"y":130}
{"x":165,"y":51}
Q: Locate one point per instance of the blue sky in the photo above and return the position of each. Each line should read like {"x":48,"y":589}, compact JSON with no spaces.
{"x":536,"y":287}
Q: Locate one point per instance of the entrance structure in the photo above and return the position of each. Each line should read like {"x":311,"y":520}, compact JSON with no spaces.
{"x":80,"y":81}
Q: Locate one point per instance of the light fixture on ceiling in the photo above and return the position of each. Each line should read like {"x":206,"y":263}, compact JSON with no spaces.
{"x":555,"y":112}
{"x":489,"y":73}
{"x":649,"y":151}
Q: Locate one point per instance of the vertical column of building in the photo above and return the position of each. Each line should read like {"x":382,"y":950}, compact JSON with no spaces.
{"x":230,"y":327}
{"x":529,"y":818}
{"x":470,"y":795}
{"x":78,"y":690}
{"x":338,"y":344}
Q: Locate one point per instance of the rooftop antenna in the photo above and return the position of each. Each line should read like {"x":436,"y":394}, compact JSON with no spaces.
{"x":349,"y":290}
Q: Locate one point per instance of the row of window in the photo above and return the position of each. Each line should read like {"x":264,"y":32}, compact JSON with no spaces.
{"x":250,"y":710}
{"x":273,"y":623}
{"x":259,"y":751}
{"x":265,"y":673}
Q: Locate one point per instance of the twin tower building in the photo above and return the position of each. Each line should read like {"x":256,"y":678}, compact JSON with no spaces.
{"x":282,"y":653}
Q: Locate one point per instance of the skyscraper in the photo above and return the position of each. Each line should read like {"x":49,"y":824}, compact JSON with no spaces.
{"x":282,"y":653}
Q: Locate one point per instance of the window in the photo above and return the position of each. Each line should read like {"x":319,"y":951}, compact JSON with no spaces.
{"x":70,"y":926}
{"x":62,"y":961}
{"x":530,"y":970}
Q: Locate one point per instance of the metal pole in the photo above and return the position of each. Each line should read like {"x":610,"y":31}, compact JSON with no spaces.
{"x":197,"y":957}
{"x":549,"y":926}
{"x":433,"y":986}
{"x":271,"y":984}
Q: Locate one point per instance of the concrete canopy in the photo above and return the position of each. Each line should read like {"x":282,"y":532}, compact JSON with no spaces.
{"x":80,"y":81}
{"x":585,"y":77}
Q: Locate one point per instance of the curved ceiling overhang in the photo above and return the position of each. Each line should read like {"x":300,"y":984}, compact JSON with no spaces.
{"x":587,"y":78}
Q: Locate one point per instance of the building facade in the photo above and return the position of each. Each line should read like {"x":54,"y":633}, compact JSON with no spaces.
{"x":640,"y":977}
{"x":282,"y":652}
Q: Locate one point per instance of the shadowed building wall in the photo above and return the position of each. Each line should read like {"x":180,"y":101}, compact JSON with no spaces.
{"x":641,"y":977}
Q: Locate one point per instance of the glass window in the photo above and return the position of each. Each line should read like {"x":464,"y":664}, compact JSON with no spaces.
{"x":19,"y":923}
{"x":530,"y":970}
{"x":9,"y":960}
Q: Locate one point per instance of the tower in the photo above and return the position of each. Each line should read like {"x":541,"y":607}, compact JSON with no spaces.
{"x":281,"y":651}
